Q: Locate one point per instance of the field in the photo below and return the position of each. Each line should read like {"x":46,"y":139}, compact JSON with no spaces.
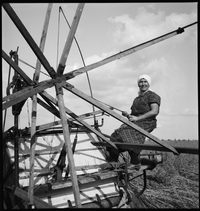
{"x":172,"y":184}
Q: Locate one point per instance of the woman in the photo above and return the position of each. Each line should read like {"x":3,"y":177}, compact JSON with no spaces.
{"x":144,"y":110}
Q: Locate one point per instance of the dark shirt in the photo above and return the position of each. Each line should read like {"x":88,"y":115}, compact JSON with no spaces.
{"x":141,"y":104}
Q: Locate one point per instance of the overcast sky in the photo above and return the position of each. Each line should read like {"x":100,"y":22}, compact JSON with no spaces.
{"x":105,"y":29}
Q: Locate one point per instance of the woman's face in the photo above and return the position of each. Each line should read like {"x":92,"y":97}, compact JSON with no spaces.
{"x":143,"y":85}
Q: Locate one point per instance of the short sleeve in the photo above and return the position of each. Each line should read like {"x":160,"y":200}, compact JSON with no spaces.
{"x":154,"y":98}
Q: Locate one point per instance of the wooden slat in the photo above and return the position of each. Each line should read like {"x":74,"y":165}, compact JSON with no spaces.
{"x":73,"y":115}
{"x":70,"y":39}
{"x":48,"y":125}
{"x":77,"y":92}
{"x":87,"y":179}
{"x":26,"y":93}
{"x":34,"y":106}
{"x":59,"y":93}
{"x":29,"y":39}
{"x":16,"y":95}
{"x":69,"y":150}
{"x":51,"y":124}
{"x":36,"y":201}
{"x":66,"y":187}
{"x":126,"y":146}
{"x":108,"y":202}
{"x":39,"y":153}
{"x":48,"y":108}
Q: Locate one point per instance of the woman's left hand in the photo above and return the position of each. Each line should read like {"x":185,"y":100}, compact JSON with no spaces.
{"x":133,"y":118}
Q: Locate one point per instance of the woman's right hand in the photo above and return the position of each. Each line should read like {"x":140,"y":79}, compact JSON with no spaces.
{"x":124,"y":113}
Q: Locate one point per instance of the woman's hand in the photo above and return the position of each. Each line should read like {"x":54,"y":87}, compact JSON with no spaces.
{"x":133,"y":118}
{"x":124,"y":113}
{"x":130,"y":117}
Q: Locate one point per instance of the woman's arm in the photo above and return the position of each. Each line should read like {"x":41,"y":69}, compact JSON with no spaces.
{"x":152,"y":113}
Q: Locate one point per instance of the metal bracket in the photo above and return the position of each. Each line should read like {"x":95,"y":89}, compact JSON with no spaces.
{"x":59,"y":89}
{"x":68,"y":86}
{"x":58,"y":174}
{"x":180,"y":30}
{"x":70,"y":204}
{"x":145,"y":184}
{"x":99,"y":201}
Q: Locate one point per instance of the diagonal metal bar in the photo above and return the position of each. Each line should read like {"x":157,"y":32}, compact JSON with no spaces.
{"x":180,"y":149}
{"x":29,"y":92}
{"x":54,"y":111}
{"x":29,"y":39}
{"x":26,"y":93}
{"x":125,"y":53}
{"x":50,"y":104}
{"x":79,"y":119}
{"x":77,"y":92}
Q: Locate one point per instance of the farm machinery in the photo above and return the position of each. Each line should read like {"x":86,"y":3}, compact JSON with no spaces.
{"x":47,"y":166}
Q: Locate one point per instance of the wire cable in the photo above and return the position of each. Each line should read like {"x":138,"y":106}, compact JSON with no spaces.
{"x":31,"y":66}
{"x":58,"y":39}
{"x":58,"y":36}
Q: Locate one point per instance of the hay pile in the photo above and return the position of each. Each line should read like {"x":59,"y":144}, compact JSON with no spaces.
{"x":172,"y":184}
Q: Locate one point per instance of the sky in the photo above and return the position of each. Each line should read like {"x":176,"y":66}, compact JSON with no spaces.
{"x":105,"y":29}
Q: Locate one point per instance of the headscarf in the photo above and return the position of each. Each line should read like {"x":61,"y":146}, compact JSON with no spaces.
{"x":147,"y":78}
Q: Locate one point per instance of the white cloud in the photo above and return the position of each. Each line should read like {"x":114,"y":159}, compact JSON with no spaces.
{"x":112,"y":78}
{"x":190,"y":112}
{"x":148,"y":25}
{"x":138,"y":30}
